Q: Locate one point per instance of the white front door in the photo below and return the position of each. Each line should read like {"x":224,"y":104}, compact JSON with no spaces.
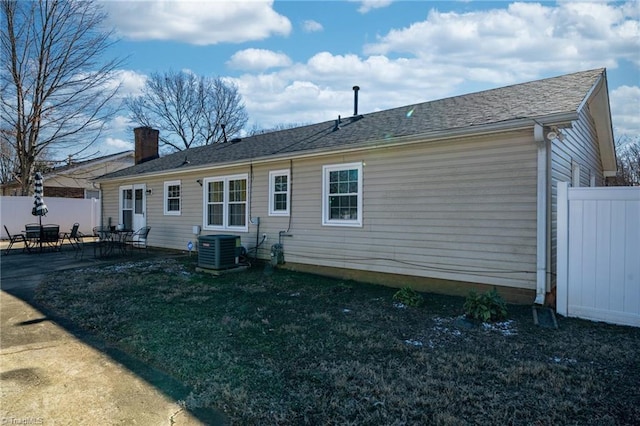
{"x":133,"y":206}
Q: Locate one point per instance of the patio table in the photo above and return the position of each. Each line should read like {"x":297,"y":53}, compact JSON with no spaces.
{"x":42,"y":236}
{"x":119,"y":240}
{"x":110,"y":241}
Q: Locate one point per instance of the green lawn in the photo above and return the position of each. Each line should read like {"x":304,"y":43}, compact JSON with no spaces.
{"x":277,"y":347}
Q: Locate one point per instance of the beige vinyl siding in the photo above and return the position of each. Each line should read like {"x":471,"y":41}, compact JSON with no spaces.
{"x":458,"y":210}
{"x":109,"y":202}
{"x":579,"y":146}
{"x":462,"y":210}
{"x":170,"y":231}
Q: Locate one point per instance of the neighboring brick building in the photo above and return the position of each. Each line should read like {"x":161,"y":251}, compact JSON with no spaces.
{"x":75,"y":180}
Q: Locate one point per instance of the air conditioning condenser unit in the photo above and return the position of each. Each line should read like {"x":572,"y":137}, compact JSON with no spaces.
{"x":218,"y":251}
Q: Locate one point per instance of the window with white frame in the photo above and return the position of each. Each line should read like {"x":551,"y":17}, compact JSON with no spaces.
{"x":92,"y":193}
{"x":342,"y":194}
{"x":225,"y":202}
{"x":279,"y":190}
{"x":126,"y":206}
{"x":172,"y":193}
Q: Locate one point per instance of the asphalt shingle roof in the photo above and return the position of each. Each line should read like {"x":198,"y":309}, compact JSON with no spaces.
{"x":557,"y":95}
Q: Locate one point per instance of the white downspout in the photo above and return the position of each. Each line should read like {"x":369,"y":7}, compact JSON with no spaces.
{"x":541,"y":216}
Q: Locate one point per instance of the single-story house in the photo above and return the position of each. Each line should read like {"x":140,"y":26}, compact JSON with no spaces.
{"x":445,"y":196}
{"x":75,"y":178}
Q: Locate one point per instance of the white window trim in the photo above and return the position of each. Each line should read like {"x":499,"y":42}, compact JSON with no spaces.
{"x":575,"y":174}
{"x":325,"y":195}
{"x":165,"y":198}
{"x":225,"y":204}
{"x":272,"y":176}
{"x":87,"y":191}
{"x":121,"y":189}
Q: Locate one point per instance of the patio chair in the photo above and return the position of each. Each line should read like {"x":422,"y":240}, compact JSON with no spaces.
{"x":139,"y":238}
{"x":74,"y":237}
{"x":102,"y":241}
{"x":51,"y":236}
{"x":14,"y":239}
{"x":32,"y":235}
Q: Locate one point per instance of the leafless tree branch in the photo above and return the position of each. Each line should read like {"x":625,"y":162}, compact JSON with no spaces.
{"x":56,"y":90}
{"x":188,"y":110}
{"x":628,"y":159}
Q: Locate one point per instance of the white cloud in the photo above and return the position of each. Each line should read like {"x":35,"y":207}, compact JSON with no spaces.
{"x":121,"y":123}
{"x":311,"y":26}
{"x":120,"y":136}
{"x":321,"y":89}
{"x":197,"y":22}
{"x":258,"y":59}
{"x":443,"y":55}
{"x":625,"y":109}
{"x":368,"y":5}
{"x":131,"y":82}
{"x":521,"y":41}
{"x":117,"y":144}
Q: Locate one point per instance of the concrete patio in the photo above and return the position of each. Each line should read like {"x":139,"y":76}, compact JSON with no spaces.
{"x":53,"y":373}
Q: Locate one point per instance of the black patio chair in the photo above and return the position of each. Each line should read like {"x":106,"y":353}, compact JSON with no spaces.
{"x":50,"y":237}
{"x":14,"y":239}
{"x":138,"y":239}
{"x":32,"y":235}
{"x":74,"y":237}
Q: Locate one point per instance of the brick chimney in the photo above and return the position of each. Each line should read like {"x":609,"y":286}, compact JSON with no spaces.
{"x":146,"y":144}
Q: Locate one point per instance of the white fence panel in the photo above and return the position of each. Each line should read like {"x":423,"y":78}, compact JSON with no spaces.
{"x":599,"y":254}
{"x":15,"y":212}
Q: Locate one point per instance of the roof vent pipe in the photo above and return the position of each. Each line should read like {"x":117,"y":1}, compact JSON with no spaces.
{"x":355,"y":100}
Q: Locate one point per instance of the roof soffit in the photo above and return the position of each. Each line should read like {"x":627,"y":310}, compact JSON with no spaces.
{"x":599,"y":107}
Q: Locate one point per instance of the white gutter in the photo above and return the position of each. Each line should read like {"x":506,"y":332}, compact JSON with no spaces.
{"x":541,"y":215}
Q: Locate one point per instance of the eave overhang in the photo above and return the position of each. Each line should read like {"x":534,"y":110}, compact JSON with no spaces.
{"x":598,"y":105}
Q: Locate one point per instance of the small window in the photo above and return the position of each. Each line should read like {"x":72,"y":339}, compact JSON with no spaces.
{"x":172,"y":192}
{"x":91,"y":193}
{"x":279,"y":190}
{"x":342,"y":195}
{"x":225,"y":203}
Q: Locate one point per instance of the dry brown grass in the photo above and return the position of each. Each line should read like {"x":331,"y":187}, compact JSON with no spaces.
{"x":288,"y":348}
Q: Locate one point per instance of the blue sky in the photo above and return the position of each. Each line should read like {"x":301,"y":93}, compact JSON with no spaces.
{"x":297,"y":61}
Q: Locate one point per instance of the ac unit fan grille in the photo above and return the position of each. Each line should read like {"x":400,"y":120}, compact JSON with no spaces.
{"x":218,"y":251}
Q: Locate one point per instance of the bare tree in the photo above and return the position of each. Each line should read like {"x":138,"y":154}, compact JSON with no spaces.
{"x":628,"y":159}
{"x":7,"y":157}
{"x":189,"y":110}
{"x":257,"y":130}
{"x":56,"y":91}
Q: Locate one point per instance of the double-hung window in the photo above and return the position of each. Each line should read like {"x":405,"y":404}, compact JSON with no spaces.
{"x":172,"y":197}
{"x":279,"y":192}
{"x":225,"y":202}
{"x":342,"y":194}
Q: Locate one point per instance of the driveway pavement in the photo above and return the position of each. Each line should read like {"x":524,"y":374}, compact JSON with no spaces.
{"x":54,"y":374}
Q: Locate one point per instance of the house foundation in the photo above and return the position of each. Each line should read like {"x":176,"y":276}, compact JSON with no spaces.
{"x":513,"y":295}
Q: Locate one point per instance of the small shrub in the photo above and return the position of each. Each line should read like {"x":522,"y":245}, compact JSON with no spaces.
{"x":408,"y":296}
{"x":489,"y":306}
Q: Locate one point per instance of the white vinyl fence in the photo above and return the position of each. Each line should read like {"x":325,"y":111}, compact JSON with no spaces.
{"x":599,"y":254}
{"x":15,"y":213}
